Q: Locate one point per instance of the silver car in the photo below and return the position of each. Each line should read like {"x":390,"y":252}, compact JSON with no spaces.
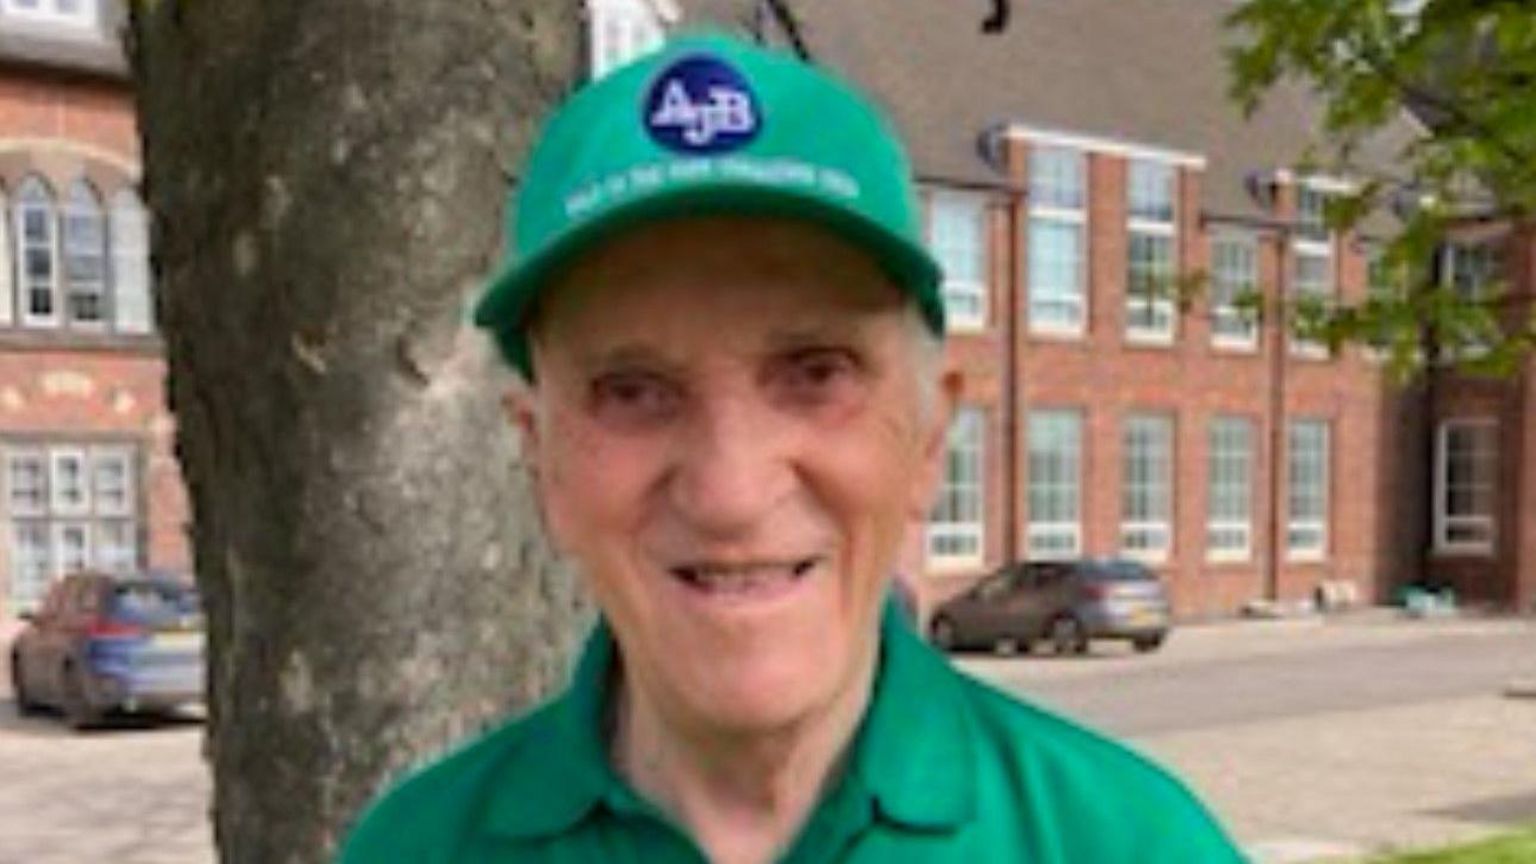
{"x":1063,"y":603}
{"x":102,"y":643}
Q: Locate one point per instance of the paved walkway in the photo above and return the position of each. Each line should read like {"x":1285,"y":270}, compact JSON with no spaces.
{"x":1323,"y":740}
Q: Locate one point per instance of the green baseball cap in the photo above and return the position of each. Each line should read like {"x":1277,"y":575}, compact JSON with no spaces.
{"x":708,"y":124}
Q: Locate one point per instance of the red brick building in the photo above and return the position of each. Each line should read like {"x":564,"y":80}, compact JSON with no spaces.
{"x":1078,"y":170}
{"x":1087,"y":150}
{"x":86,"y":460}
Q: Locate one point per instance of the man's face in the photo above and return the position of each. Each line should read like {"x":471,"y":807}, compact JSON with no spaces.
{"x":730,"y":438}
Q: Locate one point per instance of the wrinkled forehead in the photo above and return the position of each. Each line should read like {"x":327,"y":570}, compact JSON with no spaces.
{"x":718,"y":284}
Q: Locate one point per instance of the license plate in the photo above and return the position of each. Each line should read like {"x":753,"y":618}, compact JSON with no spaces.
{"x":178,"y":641}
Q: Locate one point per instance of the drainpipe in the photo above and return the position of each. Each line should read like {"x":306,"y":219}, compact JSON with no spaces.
{"x":1281,"y":342}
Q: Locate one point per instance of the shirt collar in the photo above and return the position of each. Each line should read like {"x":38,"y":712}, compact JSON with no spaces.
{"x":913,"y":754}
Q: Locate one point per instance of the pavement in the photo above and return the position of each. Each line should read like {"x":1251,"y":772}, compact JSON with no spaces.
{"x":1312,"y":739}
{"x":1322,"y":739}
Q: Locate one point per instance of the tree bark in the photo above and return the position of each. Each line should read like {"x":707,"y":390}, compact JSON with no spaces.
{"x":327,"y":180}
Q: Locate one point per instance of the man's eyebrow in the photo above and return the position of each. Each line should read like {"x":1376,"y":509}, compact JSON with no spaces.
{"x":623,"y":356}
{"x":817,"y":335}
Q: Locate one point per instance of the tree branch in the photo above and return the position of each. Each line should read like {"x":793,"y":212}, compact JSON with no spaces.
{"x":997,"y":22}
{"x":789,"y":22}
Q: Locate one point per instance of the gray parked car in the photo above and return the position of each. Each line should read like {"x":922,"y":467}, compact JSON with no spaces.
{"x":1063,"y":603}
{"x":102,"y":643}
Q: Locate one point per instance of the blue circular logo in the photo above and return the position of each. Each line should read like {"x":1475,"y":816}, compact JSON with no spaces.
{"x":700,"y":104}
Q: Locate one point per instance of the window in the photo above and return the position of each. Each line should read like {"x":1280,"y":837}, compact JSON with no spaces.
{"x":1469,"y":269}
{"x":621,"y":30}
{"x":79,"y":266}
{"x":85,"y":257}
{"x":1306,"y":534}
{"x":79,"y":14}
{"x":956,"y":524}
{"x":1055,"y":509}
{"x":130,"y":264}
{"x":1151,"y":310}
{"x":34,"y":224}
{"x":957,"y":236}
{"x":1057,"y":294}
{"x":1466,"y":465}
{"x":1312,"y":262}
{"x":1146,"y":485}
{"x":1234,"y":277}
{"x":1229,"y":519}
{"x":70,"y":506}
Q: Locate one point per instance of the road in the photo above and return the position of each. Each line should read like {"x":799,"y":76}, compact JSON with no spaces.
{"x":1307,"y":738}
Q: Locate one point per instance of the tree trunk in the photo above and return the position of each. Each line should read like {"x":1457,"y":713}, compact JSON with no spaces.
{"x":327,"y":181}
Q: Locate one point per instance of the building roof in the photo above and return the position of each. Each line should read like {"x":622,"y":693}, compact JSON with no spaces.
{"x":1143,"y":72}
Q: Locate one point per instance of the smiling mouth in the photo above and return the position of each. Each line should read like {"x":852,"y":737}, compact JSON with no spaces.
{"x":744,"y":579}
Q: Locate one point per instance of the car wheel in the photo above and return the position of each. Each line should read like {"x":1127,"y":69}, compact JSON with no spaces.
{"x":1145,"y":644}
{"x":943,"y":634}
{"x":24,"y":703}
{"x":1067,"y":636}
{"x":79,"y":713}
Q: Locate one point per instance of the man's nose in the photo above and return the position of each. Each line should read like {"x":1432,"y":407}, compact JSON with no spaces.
{"x":731,"y":468}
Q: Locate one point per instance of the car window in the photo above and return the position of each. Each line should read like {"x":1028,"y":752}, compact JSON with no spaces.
{"x":1045,"y":575}
{"x":1117,"y":571}
{"x":995,"y":586}
{"x":154,"y":604}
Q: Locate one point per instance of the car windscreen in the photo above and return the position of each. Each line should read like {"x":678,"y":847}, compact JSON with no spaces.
{"x":1117,"y":571}
{"x":155,"y":604}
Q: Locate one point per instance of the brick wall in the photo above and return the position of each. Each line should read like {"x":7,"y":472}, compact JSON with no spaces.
{"x":1190,"y":381}
{"x":61,"y":387}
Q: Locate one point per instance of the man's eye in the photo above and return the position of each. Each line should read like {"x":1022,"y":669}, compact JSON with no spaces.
{"x":632,"y":398}
{"x":817,"y":376}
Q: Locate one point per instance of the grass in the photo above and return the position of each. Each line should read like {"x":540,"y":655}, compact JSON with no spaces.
{"x":1516,"y":848}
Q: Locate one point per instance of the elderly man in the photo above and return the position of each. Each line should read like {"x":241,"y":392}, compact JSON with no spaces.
{"x":731,"y":338}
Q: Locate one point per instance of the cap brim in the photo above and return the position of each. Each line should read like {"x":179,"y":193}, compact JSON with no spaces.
{"x":512,"y":294}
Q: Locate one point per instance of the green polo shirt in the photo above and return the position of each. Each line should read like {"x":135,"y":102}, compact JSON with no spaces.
{"x":944,"y":768}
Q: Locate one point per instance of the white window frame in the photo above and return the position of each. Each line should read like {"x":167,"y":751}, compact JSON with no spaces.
{"x":128,"y":239}
{"x":57,"y":456}
{"x":38,"y":458}
{"x":965,"y":299}
{"x":966,"y":440}
{"x":620,"y":31}
{"x":1162,"y":229}
{"x":1317,"y":525}
{"x":1238,"y":280}
{"x":1043,"y":211}
{"x":1056,"y":539}
{"x":109,"y":555}
{"x":49,"y":12}
{"x":30,"y":575}
{"x":60,"y":529}
{"x":1147,"y":537}
{"x":1312,"y":239}
{"x":1229,"y":474}
{"x":9,"y":283}
{"x":102,"y":457}
{"x":1444,"y":521}
{"x":48,"y":206}
{"x":83,"y":212}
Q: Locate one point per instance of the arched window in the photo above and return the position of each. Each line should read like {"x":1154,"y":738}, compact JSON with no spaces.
{"x":33,"y":229}
{"x":85,"y":257}
{"x":130,"y":264}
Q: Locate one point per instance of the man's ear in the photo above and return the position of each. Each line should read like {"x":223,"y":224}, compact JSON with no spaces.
{"x":935,"y":443}
{"x":520,"y":403}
